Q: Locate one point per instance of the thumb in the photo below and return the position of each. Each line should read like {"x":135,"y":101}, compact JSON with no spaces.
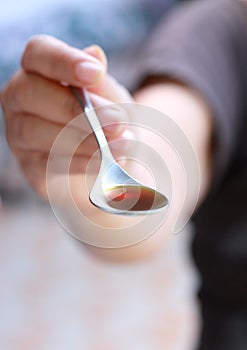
{"x":107,"y":87}
{"x":98,"y":53}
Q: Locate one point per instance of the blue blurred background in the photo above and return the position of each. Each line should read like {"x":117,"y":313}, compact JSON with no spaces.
{"x":115,"y":25}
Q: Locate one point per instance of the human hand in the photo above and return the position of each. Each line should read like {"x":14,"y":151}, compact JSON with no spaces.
{"x":38,"y":103}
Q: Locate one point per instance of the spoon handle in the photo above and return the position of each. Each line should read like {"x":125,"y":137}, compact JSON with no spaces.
{"x":82,"y":97}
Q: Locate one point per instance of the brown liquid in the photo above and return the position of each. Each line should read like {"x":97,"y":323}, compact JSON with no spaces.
{"x":134,"y":198}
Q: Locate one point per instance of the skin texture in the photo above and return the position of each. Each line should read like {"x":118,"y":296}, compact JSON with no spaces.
{"x":38,"y":103}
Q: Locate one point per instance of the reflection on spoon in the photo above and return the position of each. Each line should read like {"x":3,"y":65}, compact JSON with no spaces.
{"x":134,"y":198}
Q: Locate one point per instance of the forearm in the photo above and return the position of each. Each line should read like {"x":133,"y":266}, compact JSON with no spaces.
{"x":190,"y":112}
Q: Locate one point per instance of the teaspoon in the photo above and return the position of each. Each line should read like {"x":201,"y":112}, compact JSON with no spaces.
{"x":114,"y":190}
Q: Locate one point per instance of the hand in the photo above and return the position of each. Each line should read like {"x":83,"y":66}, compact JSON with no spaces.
{"x":38,"y":103}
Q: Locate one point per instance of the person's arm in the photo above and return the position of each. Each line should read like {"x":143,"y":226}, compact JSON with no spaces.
{"x":190,"y":112}
{"x":193,"y":70}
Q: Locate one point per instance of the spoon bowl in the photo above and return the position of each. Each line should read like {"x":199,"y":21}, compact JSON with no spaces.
{"x":117,"y":192}
{"x":114,"y":190}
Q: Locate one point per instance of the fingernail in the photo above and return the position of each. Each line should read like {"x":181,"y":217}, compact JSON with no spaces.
{"x":97,"y":52}
{"x":88,"y":72}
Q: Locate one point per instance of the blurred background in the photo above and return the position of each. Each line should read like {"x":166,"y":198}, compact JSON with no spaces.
{"x":53,"y":294}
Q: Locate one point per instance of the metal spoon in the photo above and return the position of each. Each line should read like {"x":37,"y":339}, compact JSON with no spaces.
{"x":114,"y":190}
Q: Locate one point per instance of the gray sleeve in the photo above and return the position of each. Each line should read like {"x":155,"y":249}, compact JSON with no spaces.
{"x":204,"y":44}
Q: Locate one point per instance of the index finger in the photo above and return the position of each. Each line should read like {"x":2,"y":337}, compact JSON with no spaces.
{"x":56,"y":60}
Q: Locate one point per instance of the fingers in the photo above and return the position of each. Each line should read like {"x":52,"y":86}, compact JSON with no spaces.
{"x":30,"y":91}
{"x":38,"y":104}
{"x":31,"y":133}
{"x":109,"y":88}
{"x":35,"y":163}
{"x":34,"y":166}
{"x":54,"y":59}
{"x":97,"y":52}
{"x":32,"y":94}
